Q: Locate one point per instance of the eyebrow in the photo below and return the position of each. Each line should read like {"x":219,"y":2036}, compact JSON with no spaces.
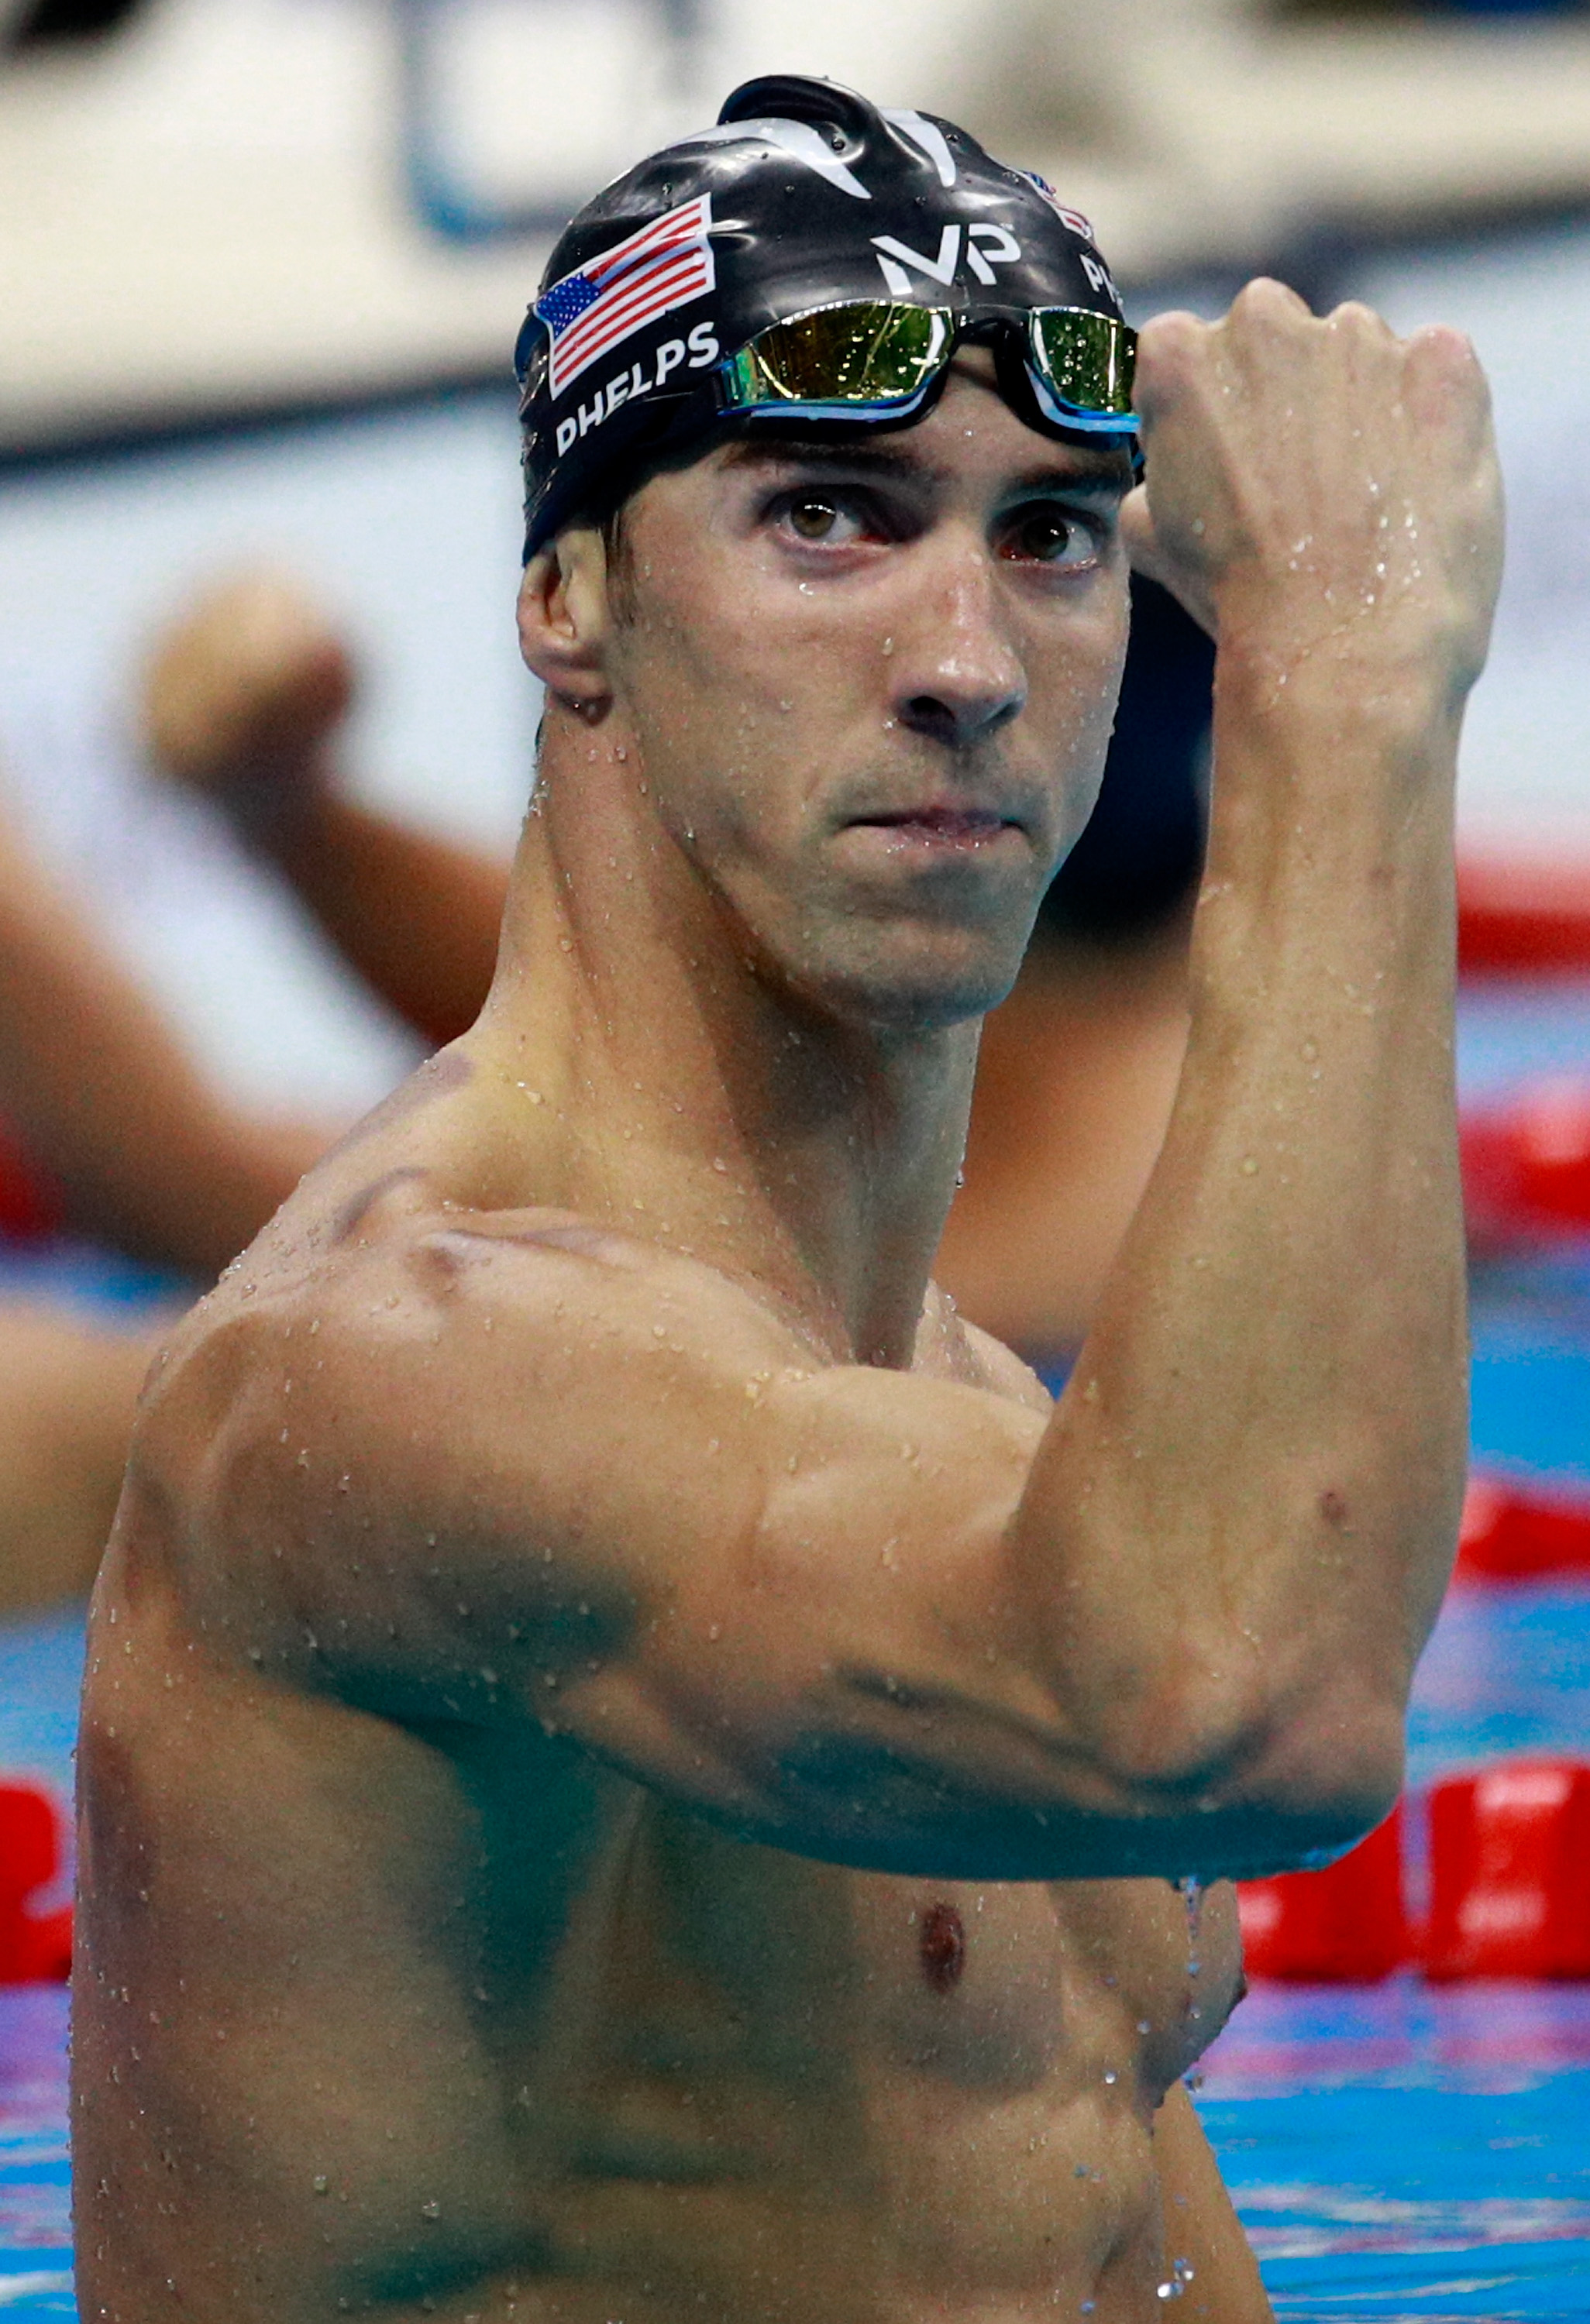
{"x":1098,"y":474}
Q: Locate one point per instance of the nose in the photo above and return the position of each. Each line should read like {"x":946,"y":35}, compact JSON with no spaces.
{"x":959,"y":678}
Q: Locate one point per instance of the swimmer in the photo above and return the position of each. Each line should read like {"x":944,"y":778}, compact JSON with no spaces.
{"x":633,"y":1767}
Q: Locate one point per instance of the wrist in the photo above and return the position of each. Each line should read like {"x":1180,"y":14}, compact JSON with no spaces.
{"x":276,"y":804}
{"x":1405,"y":660}
{"x":1353,"y":680}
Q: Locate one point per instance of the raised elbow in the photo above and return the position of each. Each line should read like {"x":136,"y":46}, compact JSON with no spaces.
{"x":1273,"y":1777}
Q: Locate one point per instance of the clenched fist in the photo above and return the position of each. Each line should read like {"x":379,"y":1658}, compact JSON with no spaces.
{"x":1321,"y":489}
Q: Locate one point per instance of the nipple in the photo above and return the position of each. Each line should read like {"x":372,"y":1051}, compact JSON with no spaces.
{"x":942,"y":1945}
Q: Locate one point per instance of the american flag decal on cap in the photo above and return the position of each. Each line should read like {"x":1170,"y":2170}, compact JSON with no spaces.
{"x":662,"y":266}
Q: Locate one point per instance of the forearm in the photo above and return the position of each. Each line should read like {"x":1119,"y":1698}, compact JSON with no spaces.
{"x":1257,"y":1470}
{"x":104,"y":1097}
{"x":416,"y":916}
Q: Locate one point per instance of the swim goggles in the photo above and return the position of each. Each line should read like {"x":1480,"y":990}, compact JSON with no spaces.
{"x":884,"y":359}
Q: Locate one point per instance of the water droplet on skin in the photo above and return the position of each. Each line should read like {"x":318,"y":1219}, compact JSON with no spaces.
{"x":888,"y":645}
{"x":1111,"y":2077}
{"x":1190,"y":1889}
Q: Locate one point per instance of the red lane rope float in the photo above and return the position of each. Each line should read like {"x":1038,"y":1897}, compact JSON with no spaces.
{"x":1522,"y":915}
{"x":29,"y":1206}
{"x":1346,"y":1924}
{"x":1509,"y":1889}
{"x":35,"y":1947}
{"x":1509,"y":1873}
{"x":1515,"y":1531}
{"x":1526,"y":1165}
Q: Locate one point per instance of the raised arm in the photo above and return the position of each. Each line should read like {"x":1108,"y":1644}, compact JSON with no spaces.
{"x":1270,"y":1412}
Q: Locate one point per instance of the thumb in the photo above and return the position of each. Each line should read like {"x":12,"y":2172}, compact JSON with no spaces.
{"x":1149,"y":556}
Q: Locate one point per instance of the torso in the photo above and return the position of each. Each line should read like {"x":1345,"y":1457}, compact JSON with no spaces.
{"x":436,"y":2018}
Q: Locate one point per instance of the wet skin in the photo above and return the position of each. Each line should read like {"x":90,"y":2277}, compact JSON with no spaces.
{"x":406,"y":2001}
{"x":629,"y":1769}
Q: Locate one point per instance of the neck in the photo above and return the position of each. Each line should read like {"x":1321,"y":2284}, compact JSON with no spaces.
{"x":675,"y":1087}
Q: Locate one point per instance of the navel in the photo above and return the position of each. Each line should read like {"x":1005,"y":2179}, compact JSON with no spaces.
{"x":942,"y":1944}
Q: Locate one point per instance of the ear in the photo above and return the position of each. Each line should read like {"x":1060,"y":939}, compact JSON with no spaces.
{"x":565,"y":620}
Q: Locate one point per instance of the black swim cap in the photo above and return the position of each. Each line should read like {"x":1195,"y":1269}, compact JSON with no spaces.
{"x":802,"y":196}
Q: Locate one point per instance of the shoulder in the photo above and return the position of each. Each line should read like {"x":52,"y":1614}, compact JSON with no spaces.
{"x":374,"y":1298}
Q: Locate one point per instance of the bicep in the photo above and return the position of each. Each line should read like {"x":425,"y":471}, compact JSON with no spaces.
{"x":601,"y":1486}
{"x":1202,"y":2229}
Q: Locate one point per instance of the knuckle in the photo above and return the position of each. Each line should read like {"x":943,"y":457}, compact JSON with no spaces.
{"x":1169,"y":349}
{"x":1269,"y":300}
{"x":1354,"y":314}
{"x":1174,"y":333}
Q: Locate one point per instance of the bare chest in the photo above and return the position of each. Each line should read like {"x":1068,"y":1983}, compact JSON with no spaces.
{"x":697,"y":1963}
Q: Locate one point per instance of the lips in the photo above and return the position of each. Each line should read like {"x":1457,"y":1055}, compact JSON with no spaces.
{"x":955,"y":825}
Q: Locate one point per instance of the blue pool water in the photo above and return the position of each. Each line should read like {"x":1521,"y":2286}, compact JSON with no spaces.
{"x":1401,"y":2152}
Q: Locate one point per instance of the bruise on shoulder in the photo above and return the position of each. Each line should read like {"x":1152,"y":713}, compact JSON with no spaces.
{"x":442,"y":1257}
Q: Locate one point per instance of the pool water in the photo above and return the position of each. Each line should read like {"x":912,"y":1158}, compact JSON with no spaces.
{"x":1407,"y":2151}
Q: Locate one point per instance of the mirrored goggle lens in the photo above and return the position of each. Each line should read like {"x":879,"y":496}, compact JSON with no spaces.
{"x":864,"y":353}
{"x":1086,"y":361}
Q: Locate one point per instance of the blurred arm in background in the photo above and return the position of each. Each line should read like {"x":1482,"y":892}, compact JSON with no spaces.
{"x":105,"y":1126}
{"x":106,"y":1103}
{"x":243,"y":700}
{"x":121,"y":1139}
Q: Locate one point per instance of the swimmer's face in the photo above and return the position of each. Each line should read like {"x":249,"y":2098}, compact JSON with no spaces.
{"x":870,"y":686}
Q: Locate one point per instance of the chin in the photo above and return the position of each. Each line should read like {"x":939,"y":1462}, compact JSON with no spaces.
{"x":911,"y":987}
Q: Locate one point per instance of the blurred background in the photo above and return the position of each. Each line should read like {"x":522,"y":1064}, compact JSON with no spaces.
{"x":261,"y":262}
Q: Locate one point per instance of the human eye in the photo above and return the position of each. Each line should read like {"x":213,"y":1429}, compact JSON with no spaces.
{"x":1060,"y":539}
{"x":816,"y":517}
